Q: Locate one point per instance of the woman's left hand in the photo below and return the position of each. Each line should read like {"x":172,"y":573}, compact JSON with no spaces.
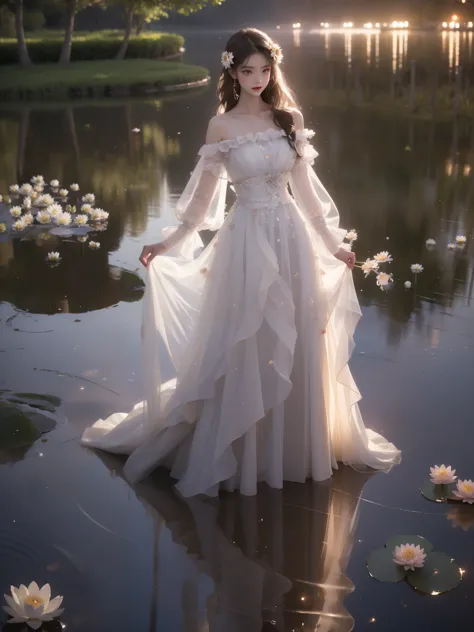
{"x":347,"y":257}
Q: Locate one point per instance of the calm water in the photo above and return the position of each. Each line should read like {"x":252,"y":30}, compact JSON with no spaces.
{"x":143,"y":559}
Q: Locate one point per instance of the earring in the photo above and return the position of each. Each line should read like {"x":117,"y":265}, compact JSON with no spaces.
{"x":236,"y":94}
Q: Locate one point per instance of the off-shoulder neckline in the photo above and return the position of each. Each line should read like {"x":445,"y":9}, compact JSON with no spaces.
{"x":266,"y":135}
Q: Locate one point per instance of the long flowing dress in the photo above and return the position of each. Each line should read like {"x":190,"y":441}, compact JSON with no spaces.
{"x":258,"y":327}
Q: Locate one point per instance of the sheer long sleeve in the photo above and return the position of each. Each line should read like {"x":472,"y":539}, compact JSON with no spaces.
{"x":202,"y":203}
{"x":311,"y":196}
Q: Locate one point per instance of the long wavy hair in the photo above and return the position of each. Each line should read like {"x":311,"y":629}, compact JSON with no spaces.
{"x":277,"y":94}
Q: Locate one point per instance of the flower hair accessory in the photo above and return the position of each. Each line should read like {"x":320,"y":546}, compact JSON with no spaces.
{"x":227,"y":59}
{"x":276,"y":53}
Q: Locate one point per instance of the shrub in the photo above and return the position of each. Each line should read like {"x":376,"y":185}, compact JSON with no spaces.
{"x":33,"y":20}
{"x":7,"y":23}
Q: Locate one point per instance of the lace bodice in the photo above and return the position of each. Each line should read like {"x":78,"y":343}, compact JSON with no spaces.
{"x":259,"y":167}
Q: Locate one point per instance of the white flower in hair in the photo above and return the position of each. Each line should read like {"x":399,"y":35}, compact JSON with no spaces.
{"x":227,"y":59}
{"x":276,"y":53}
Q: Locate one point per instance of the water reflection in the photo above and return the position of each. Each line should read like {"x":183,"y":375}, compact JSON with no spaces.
{"x":277,"y":560}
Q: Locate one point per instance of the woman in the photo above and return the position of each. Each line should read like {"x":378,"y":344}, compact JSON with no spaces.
{"x":259,"y":325}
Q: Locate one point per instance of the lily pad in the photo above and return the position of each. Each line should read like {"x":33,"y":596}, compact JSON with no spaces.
{"x":439,"y":574}
{"x":16,"y":428}
{"x":437,"y":493}
{"x":29,"y":397}
{"x":396,"y":540}
{"x":382,"y":567}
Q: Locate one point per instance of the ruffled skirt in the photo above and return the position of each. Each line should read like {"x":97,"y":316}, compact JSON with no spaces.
{"x":258,"y":329}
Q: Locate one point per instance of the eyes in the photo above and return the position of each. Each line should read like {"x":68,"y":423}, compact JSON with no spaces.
{"x":248,"y":72}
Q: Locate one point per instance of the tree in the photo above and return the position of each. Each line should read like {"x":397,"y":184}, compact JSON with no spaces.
{"x":137,"y":12}
{"x":72,"y":8}
{"x":16,"y":7}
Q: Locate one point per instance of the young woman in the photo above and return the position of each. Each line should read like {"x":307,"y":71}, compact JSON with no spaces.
{"x":258,"y":326}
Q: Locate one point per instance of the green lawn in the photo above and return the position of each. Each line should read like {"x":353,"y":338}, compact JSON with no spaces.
{"x":57,"y":80}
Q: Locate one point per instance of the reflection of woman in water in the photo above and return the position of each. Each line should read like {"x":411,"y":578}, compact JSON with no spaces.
{"x":276,"y":557}
{"x":258,"y":326}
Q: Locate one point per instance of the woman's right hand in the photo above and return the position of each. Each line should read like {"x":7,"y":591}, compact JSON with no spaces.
{"x":150,"y":252}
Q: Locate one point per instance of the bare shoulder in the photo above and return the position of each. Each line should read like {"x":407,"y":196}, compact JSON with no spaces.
{"x":217,"y":129}
{"x":298,"y":118}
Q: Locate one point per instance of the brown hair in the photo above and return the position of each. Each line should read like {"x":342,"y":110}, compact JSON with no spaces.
{"x":277,"y":94}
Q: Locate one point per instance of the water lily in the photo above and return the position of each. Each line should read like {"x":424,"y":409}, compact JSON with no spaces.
{"x":416,"y":268}
{"x":461,"y":239}
{"x":451,"y":246}
{"x":14,"y":188}
{"x":83,"y":238}
{"x":369,"y":266}
{"x":63,"y":219}
{"x":442,"y":475}
{"x":26,"y":189}
{"x":53,"y":256}
{"x":81,"y":220}
{"x":45,"y":200}
{"x":1,"y":199}
{"x":86,"y":208}
{"x":383,"y":257}
{"x":32,"y":605}
{"x":384,"y":279}
{"x":55,"y":210}
{"x":465,"y":491}
{"x":15,"y":211}
{"x":95,"y":245}
{"x":28,"y":219}
{"x":74,"y":187}
{"x":407,"y":284}
{"x":6,"y":199}
{"x":430,"y":243}
{"x":227,"y":59}
{"x":409,"y":556}
{"x":38,"y":188}
{"x":27,"y":202}
{"x":63,"y":192}
{"x":19,"y":224}
{"x":89,"y":198}
{"x":37,"y":180}
{"x":43,"y":217}
{"x":3,"y":228}
{"x":33,"y":195}
{"x":99,"y":215}
{"x":70,"y":208}
{"x":351,"y":235}
{"x":54,"y":184}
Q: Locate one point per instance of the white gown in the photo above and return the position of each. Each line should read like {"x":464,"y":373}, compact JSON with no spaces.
{"x":258,"y":327}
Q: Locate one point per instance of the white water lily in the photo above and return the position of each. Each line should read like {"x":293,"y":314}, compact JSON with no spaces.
{"x":15,"y":211}
{"x":442,"y":474}
{"x":86,"y":208}
{"x":416,"y":268}
{"x":19,"y":224}
{"x":33,"y":195}
{"x":351,"y":235}
{"x":99,"y":215}
{"x":81,"y":220}
{"x":27,"y":202}
{"x":409,"y":556}
{"x":384,"y":279}
{"x":55,"y":210}
{"x":28,"y":219}
{"x":53,"y":256}
{"x":37,"y":180}
{"x":430,"y":243}
{"x":461,"y":239}
{"x":227,"y":59}
{"x":465,"y":491}
{"x":83,"y":238}
{"x":63,"y":192}
{"x":63,"y":219}
{"x":54,"y":184}
{"x":32,"y":605}
{"x":383,"y":257}
{"x":369,"y":266}
{"x":95,"y":245}
{"x":14,"y":188}
{"x":451,"y":246}
{"x":38,"y":188}
{"x":407,"y":284}
{"x":45,"y":200}
{"x":74,"y":187}
{"x":89,"y":198}
{"x":3,"y":227}
{"x":26,"y":189}
{"x":43,"y":217}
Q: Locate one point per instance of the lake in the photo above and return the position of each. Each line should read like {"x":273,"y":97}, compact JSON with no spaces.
{"x":143,"y":558}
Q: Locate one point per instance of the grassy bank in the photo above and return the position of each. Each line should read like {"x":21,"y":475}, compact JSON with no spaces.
{"x":96,"y":79}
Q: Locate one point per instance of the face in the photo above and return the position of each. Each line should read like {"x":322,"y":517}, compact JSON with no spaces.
{"x":254,"y":74}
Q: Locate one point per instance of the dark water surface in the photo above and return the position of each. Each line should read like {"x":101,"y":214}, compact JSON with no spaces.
{"x":142,"y":559}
